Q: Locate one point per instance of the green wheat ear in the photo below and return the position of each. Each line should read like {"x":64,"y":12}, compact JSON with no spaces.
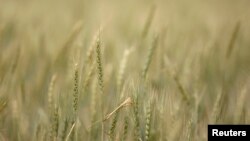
{"x":62,"y":55}
{"x":91,"y":50}
{"x":72,"y":122}
{"x":113,"y":127}
{"x":125,"y":129}
{"x":76,"y":90}
{"x":90,"y":60}
{"x":50,"y":92}
{"x":55,"y":124}
{"x":137,"y":136}
{"x":148,"y":21}
{"x":148,"y":121}
{"x":53,"y":111}
{"x":100,"y":77}
{"x":185,"y":96}
{"x":150,"y":56}
{"x":99,"y":65}
{"x":232,"y":40}
{"x":64,"y":129}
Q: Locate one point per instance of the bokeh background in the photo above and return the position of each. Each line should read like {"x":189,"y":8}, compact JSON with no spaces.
{"x":203,"y":50}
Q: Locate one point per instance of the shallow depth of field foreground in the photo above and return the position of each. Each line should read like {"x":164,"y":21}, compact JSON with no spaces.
{"x":131,"y":70}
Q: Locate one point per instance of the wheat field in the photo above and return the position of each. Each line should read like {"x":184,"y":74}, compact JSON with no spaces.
{"x":159,"y":70}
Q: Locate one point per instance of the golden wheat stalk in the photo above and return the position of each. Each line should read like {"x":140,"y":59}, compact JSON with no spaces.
{"x":127,"y":102}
